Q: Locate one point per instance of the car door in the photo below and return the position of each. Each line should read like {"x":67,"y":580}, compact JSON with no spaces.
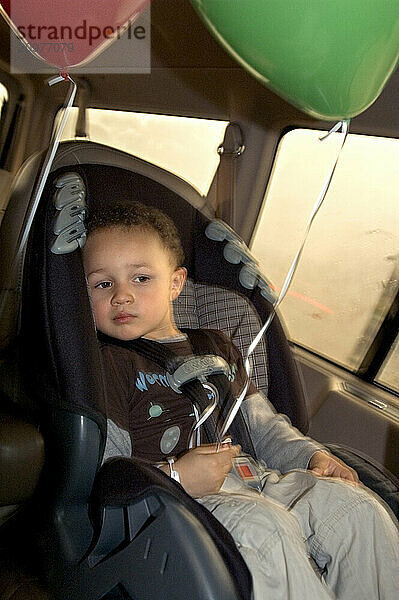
{"x":341,"y":310}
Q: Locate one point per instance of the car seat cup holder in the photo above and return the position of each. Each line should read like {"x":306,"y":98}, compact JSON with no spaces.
{"x":68,"y":224}
{"x":235,"y":252}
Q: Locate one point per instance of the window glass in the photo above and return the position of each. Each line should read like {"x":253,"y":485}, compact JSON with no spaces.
{"x":183,"y":145}
{"x":389,"y":375}
{"x":3,"y":99}
{"x":5,"y":178}
{"x":347,"y":276}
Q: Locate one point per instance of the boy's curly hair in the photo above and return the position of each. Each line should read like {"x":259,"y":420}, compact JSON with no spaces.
{"x":134,"y":215}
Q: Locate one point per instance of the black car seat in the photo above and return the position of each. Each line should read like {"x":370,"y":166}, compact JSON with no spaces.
{"x":121,"y":529}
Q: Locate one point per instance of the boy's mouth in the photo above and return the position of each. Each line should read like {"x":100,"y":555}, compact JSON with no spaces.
{"x":123,"y":317}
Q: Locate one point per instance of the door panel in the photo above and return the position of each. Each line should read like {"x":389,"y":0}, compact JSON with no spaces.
{"x":345,"y":410}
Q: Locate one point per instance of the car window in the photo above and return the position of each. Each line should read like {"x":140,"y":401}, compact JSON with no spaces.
{"x":5,"y":177}
{"x":11,"y":110}
{"x":389,"y":374}
{"x":3,"y":100}
{"x":185,"y":146}
{"x":348,"y":273}
{"x":4,"y":122}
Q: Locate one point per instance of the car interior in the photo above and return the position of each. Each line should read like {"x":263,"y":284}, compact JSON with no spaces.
{"x":71,"y":526}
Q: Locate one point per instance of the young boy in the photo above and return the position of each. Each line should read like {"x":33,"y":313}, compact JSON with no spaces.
{"x":132,"y":259}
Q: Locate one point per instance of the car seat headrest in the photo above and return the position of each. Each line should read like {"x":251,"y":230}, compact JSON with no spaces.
{"x":115,"y":173}
{"x":109,"y":175}
{"x":209,"y":306}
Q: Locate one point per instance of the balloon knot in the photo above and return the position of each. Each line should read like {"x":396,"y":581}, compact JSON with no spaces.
{"x":64,"y":75}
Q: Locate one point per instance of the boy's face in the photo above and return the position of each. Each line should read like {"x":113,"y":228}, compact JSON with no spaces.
{"x":132,"y":283}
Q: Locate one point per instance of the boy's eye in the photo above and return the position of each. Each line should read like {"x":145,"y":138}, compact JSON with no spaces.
{"x":103,"y":285}
{"x":142,"y":278}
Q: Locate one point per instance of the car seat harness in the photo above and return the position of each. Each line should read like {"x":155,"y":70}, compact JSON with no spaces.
{"x":189,"y":375}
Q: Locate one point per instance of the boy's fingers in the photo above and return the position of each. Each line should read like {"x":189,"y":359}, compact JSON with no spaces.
{"x":213,"y":448}
{"x":233,"y":450}
{"x":236,"y":449}
{"x":206,"y":449}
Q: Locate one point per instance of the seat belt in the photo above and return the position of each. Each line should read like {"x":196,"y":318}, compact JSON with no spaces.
{"x":170,"y":361}
{"x":229,"y":150}
{"x":202,"y":343}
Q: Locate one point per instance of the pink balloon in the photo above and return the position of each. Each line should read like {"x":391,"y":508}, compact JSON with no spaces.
{"x":69,"y":33}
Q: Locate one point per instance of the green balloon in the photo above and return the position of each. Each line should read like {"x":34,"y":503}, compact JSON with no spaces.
{"x":330,"y":58}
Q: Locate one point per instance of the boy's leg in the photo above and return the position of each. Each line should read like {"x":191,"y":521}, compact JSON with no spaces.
{"x":352,"y":538}
{"x":271,"y":543}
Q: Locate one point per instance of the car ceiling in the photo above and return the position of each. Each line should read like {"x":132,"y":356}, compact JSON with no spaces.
{"x":191,"y":75}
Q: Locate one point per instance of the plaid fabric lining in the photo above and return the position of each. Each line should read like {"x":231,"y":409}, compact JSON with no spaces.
{"x":210,"y":306}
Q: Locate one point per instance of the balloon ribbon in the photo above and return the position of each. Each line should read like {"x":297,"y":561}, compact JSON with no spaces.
{"x":42,"y":179}
{"x":344,"y":126}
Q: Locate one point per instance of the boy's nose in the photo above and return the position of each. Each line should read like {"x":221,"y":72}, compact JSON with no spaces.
{"x":122,"y":295}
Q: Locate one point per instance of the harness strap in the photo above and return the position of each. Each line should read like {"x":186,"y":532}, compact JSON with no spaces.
{"x":169,"y":360}
{"x":202,"y":342}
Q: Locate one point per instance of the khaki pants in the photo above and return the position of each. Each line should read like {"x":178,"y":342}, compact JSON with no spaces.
{"x":311,"y":538}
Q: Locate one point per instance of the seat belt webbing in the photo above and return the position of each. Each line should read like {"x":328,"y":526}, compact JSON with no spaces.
{"x":202,"y":343}
{"x":169,"y":360}
{"x":229,"y":150}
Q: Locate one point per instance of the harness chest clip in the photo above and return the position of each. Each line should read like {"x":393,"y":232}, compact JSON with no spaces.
{"x":197,"y":367}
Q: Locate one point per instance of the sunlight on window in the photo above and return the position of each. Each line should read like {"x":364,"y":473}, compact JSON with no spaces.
{"x":348,"y":273}
{"x":389,"y":375}
{"x":3,"y":97}
{"x":183,"y":145}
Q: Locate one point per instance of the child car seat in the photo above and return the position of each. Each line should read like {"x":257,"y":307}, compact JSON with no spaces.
{"x":123,"y":526}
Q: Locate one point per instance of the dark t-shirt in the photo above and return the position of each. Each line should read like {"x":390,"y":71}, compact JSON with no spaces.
{"x":141,"y":401}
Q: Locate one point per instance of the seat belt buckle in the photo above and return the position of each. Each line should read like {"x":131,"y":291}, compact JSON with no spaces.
{"x":247,"y":470}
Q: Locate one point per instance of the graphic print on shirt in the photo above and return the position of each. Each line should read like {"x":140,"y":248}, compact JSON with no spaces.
{"x":143,"y":403}
{"x":171,"y":414}
{"x":144,"y":380}
{"x":156,"y":410}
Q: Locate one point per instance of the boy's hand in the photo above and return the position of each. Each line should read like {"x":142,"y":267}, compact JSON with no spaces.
{"x":203,"y":470}
{"x":327,"y":465}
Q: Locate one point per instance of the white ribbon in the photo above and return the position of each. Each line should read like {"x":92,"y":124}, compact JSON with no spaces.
{"x":48,"y":161}
{"x":200,"y":419}
{"x":344,"y":126}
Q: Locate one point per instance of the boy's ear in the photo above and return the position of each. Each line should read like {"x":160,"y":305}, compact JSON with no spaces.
{"x":178,"y":279}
